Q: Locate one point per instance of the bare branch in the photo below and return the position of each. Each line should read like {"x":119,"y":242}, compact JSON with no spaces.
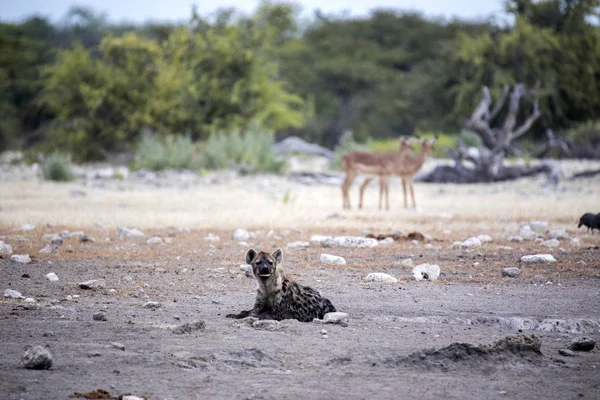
{"x":513,"y":108}
{"x":480,"y":119}
{"x":500,"y":102}
{"x":535,"y":114}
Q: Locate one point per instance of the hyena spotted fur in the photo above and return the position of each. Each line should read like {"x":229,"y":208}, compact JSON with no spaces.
{"x":278,"y":297}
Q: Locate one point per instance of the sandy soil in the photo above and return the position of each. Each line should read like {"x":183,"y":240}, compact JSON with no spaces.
{"x":382,"y":353}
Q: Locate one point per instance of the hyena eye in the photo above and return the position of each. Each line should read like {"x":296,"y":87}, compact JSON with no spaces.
{"x":270,"y":263}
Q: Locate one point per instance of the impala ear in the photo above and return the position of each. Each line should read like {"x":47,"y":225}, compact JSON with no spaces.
{"x":250,"y":255}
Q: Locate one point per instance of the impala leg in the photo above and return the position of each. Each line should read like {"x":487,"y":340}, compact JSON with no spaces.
{"x":346,"y":187}
{"x":381,"y":190}
{"x":362,"y":191}
{"x":412,"y":193}
{"x":404,"y":192}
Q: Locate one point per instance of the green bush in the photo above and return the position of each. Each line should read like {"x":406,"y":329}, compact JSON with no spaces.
{"x":250,"y":149}
{"x":172,"y":152}
{"x":58,"y":167}
{"x":346,"y":145}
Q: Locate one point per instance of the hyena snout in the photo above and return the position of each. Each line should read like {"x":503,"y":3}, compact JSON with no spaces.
{"x":264,"y":269}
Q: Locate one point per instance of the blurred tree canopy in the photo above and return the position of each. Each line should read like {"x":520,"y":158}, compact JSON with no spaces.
{"x":91,"y":87}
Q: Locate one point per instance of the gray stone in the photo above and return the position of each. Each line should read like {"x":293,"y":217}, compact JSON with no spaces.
{"x":485,"y":238}
{"x":154,"y":240}
{"x":118,"y":345}
{"x":294,"y":144}
{"x":131,"y":397}
{"x":320,"y":238}
{"x":92,"y":284}
{"x":212,"y":238}
{"x":50,"y":248}
{"x":388,"y":240}
{"x":550,"y":243}
{"x":6,"y":249}
{"x":152,"y":305}
{"x":380,"y":277}
{"x":516,"y":239}
{"x":511,"y":272}
{"x":538,"y":258}
{"x":52,"y":277}
{"x":558,"y":234}
{"x":583,"y":344}
{"x":430,"y":272}
{"x":407,"y":262}
{"x":12,"y":294}
{"x":527,"y":233}
{"x":566,"y":352}
{"x":126,"y":233}
{"x":350,"y":241}
{"x":99,"y":316}
{"x":339,"y":318}
{"x":538,"y":225}
{"x":298,"y":245}
{"x":37,"y":357}
{"x":241,"y":234}
{"x":27,"y":227}
{"x":247,"y":268}
{"x":470,"y":242}
{"x":21,"y":258}
{"x":189,"y":327}
{"x":331,"y":259}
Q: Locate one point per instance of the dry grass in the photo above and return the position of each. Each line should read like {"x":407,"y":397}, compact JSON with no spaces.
{"x":255,"y":204}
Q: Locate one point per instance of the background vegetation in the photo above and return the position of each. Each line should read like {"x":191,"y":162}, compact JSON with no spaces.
{"x":89,"y":87}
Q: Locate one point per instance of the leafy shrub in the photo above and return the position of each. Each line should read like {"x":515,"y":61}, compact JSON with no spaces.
{"x":585,"y":139}
{"x":172,"y":152}
{"x":58,"y":167}
{"x":346,"y":145}
{"x":250,"y":148}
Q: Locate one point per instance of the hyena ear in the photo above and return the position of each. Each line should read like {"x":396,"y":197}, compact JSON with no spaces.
{"x":250,"y":254}
{"x":278,"y":256}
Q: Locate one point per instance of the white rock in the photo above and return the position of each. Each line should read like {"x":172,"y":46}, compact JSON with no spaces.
{"x":331,"y":259}
{"x":407,"y":262}
{"x":558,"y":234}
{"x":49,"y":249}
{"x":504,"y":248}
{"x":130,"y":397}
{"x":470,"y":242}
{"x":12,"y":294}
{"x":551,"y":243}
{"x":92,"y":284}
{"x":21,"y":258}
{"x":153,"y":305}
{"x":52,"y":277}
{"x":429,"y":272}
{"x":538,"y":258}
{"x":340,"y":318}
{"x":351,"y":241}
{"x":37,"y":357}
{"x":27,"y":227}
{"x":126,"y":233}
{"x":6,"y":249}
{"x":511,"y":272}
{"x":380,"y":277}
{"x":386,"y":241}
{"x":485,"y":238}
{"x":168,"y":240}
{"x":429,"y":246}
{"x":243,"y":244}
{"x":538,"y":225}
{"x":241,"y":234}
{"x":298,"y":245}
{"x":575,"y":241}
{"x":320,"y":238}
{"x":51,"y":237}
{"x":272,"y":235}
{"x":29,"y":300}
{"x":154,"y":240}
{"x":527,"y":233}
{"x":212,"y":238}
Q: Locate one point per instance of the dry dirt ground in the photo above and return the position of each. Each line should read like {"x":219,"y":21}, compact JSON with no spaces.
{"x":384,"y":352}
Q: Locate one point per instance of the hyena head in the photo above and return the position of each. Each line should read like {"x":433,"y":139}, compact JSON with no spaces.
{"x":264,"y":265}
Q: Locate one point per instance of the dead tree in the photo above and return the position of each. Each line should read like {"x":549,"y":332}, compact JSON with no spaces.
{"x":488,"y":160}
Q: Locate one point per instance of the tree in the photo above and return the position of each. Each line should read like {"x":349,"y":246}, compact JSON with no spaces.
{"x":488,"y":160}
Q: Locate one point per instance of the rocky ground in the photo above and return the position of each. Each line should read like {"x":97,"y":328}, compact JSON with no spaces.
{"x":141,"y":311}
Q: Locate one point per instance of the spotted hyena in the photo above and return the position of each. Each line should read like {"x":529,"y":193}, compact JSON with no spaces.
{"x":278,"y":297}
